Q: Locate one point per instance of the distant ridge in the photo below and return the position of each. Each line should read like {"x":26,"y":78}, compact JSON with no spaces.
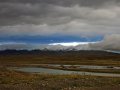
{"x":104,"y":52}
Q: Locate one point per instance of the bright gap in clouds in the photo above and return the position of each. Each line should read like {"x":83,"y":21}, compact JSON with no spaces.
{"x":71,"y":43}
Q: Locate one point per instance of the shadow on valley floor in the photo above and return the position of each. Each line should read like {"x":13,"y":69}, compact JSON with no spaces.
{"x":59,"y":57}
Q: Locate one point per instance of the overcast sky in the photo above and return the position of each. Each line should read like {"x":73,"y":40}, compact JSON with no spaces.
{"x":50,"y":21}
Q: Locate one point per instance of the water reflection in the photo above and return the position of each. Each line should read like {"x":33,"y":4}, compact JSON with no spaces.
{"x":54,"y":71}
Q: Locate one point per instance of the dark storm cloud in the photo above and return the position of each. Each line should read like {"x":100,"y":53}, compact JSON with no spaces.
{"x":66,"y":17}
{"x":63,"y":2}
{"x":42,"y":11}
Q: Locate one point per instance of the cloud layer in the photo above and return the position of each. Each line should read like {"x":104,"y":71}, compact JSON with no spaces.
{"x":110,"y":42}
{"x":69,"y":17}
{"x":84,"y":18}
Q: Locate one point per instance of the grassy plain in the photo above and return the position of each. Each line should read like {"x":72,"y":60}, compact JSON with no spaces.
{"x":13,"y":80}
{"x":60,"y":57}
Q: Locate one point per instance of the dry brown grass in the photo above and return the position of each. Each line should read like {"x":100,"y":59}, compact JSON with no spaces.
{"x":96,"y":58}
{"x":11,"y":80}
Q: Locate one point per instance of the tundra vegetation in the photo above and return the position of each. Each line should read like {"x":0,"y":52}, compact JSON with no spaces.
{"x":16,"y":80}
